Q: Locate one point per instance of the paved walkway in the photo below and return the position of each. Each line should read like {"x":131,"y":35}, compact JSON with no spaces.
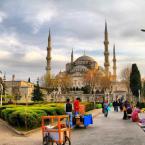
{"x":105,"y":131}
{"x":110,"y":131}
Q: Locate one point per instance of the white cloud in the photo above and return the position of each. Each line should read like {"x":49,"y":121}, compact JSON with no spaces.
{"x":9,"y":40}
{"x":74,"y":24}
{"x":2,"y":16}
{"x":37,"y":16}
{"x":33,"y":56}
{"x":4,"y":54}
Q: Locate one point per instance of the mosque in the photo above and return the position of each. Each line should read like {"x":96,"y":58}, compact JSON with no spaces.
{"x":77,"y":68}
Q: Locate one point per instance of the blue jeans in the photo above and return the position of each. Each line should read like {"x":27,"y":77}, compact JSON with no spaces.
{"x":70,"y":117}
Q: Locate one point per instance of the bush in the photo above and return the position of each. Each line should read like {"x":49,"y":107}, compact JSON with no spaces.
{"x":29,"y":117}
{"x":1,"y":109}
{"x":98,"y":106}
{"x":140,"y":105}
{"x":26,"y":119}
{"x":60,"y":111}
{"x":88,"y":106}
{"x":5,"y":113}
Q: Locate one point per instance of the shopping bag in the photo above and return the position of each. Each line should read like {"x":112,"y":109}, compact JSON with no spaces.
{"x":108,"y":108}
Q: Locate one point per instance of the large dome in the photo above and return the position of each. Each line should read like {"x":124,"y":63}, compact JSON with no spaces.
{"x":79,"y":68}
{"x":85,"y":58}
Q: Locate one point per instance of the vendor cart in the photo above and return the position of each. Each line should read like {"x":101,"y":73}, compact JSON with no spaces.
{"x":56,"y":130}
{"x":82,"y":119}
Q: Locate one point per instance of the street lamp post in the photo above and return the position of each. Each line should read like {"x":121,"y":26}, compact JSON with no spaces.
{"x":139,"y":95}
{"x":94,"y":93}
{"x":1,"y":90}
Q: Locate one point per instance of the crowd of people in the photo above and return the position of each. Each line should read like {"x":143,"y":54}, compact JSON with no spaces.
{"x":130,"y":111}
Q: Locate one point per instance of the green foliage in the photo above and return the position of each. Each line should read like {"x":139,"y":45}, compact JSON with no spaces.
{"x":88,"y":106}
{"x":135,"y":80}
{"x":60,"y":111}
{"x":37,"y":94}
{"x":86,"y":89}
{"x":1,"y":109}
{"x":30,"y":117}
{"x":140,"y":105}
{"x":98,"y":106}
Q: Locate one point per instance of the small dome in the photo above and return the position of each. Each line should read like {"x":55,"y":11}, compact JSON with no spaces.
{"x":100,"y":73}
{"x":79,"y":68}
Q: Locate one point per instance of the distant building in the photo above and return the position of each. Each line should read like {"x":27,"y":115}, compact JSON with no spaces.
{"x":21,"y":89}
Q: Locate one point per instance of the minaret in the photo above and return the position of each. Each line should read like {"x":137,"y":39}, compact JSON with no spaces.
{"x":114,"y":64}
{"x":72,"y":56}
{"x":106,"y":52}
{"x":48,"y":58}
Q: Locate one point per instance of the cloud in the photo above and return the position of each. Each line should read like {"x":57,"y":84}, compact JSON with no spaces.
{"x":2,"y":16}
{"x":37,"y":16}
{"x":74,"y":24}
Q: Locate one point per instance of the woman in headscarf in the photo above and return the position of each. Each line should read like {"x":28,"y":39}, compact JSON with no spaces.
{"x":134,"y":115}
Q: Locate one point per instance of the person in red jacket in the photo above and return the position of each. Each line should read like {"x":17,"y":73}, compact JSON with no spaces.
{"x":76,"y":106}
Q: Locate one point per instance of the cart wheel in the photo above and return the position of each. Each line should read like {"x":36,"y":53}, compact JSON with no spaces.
{"x":67,"y":141}
{"x":46,"y":140}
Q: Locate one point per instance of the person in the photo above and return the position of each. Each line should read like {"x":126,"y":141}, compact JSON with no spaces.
{"x":115,"y":105}
{"x":76,"y":106}
{"x":103,"y":106}
{"x":127,"y":110}
{"x":68,"y":110}
{"x":106,"y":105}
{"x":134,"y":115}
{"x":120,"y":105}
{"x":10,"y":101}
{"x":125,"y":104}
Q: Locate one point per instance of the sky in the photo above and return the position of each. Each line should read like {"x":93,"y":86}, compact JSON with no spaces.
{"x":77,"y":24}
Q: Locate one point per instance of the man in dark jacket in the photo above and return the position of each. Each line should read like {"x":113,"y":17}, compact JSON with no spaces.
{"x":68,"y":110}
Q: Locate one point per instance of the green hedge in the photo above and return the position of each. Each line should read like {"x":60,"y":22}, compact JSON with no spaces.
{"x":98,"y":106}
{"x":23,"y":117}
{"x":28,"y":117}
{"x":88,"y":106}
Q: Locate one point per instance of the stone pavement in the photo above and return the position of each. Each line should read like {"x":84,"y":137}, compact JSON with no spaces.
{"x":110,"y":131}
{"x":105,"y":131}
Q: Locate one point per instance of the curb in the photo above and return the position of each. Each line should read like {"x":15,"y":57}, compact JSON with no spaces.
{"x":94,"y":113}
{"x":22,"y":133}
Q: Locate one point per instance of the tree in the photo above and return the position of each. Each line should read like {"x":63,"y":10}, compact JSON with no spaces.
{"x":49,"y":82}
{"x":29,"y":80}
{"x":125,"y":76}
{"x":105,"y":83}
{"x":135,"y":80}
{"x":64,"y":81}
{"x":143,"y":89}
{"x":92,"y":79}
{"x":37,"y":93}
{"x":86,"y":89}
